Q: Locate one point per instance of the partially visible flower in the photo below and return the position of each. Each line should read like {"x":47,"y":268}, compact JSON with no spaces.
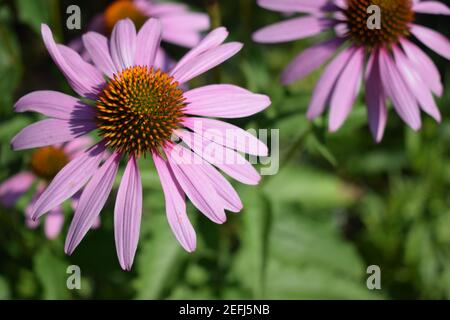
{"x":45,"y":163}
{"x":137,"y":111}
{"x":396,"y":69}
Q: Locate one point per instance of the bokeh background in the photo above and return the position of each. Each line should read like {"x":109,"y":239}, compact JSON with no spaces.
{"x":339,"y":203}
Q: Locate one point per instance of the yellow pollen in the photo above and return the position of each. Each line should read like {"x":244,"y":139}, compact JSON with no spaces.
{"x":396,"y":15}
{"x":47,"y":162}
{"x":139,"y":109}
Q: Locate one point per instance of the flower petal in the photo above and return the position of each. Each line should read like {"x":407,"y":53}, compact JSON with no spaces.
{"x":13,"y":188}
{"x":346,"y":90}
{"x":55,"y":105}
{"x":54,"y":223}
{"x":127,"y":214}
{"x":175,"y":206}
{"x":224,"y":101}
{"x":396,"y":89}
{"x":309,"y":60}
{"x":227,"y":135}
{"x":211,"y":41}
{"x":375,"y":98}
{"x":123,"y":44}
{"x":431,"y":7}
{"x":50,"y":131}
{"x":69,"y":180}
{"x":96,"y":45}
{"x":148,"y":42}
{"x":292,"y":29}
{"x":186,"y":167}
{"x":326,"y":83}
{"x":432,"y":39}
{"x":92,"y":200}
{"x":289,"y":6}
{"x":206,"y":61}
{"x":184,"y":28}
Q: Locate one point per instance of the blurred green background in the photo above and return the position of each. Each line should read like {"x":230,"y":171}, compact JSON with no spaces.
{"x":339,"y":203}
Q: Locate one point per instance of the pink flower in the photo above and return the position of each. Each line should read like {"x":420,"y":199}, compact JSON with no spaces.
{"x":396,"y":69}
{"x":44,"y":165}
{"x":136,"y":112}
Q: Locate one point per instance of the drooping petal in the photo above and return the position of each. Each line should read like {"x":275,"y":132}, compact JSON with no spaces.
{"x":424,"y":66}
{"x":148,"y":42}
{"x":69,"y":180}
{"x":346,"y":90}
{"x":227,"y":160}
{"x":50,"y":131}
{"x":54,"y":222}
{"x":92,"y":200}
{"x":292,"y":29}
{"x":82,"y":76}
{"x":432,"y":39}
{"x":224,"y":101}
{"x":416,"y":85}
{"x":396,"y":89}
{"x":309,"y":60}
{"x":175,"y":206}
{"x":55,"y":105}
{"x":123,"y":44}
{"x":325,"y":85}
{"x":211,"y":41}
{"x":97,"y":47}
{"x":206,"y":61}
{"x":127,"y":214}
{"x":186,"y":167}
{"x":13,"y":188}
{"x":227,"y":135}
{"x":375,"y":98}
{"x":289,"y":6}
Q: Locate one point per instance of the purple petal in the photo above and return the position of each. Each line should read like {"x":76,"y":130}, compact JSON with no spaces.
{"x":148,"y":42}
{"x":325,"y":85}
{"x":309,"y":60}
{"x":432,"y":39}
{"x":375,"y":98}
{"x":424,"y":65}
{"x":227,"y":135}
{"x":346,"y":90}
{"x":206,"y":61}
{"x":50,"y":131}
{"x":396,"y":89}
{"x":289,"y":6}
{"x":75,"y":147}
{"x":55,"y":105}
{"x":211,"y":41}
{"x":83,"y":77}
{"x":13,"y":188}
{"x":431,"y":7}
{"x":97,"y":47}
{"x":127,"y":214}
{"x":69,"y":180}
{"x":54,"y":223}
{"x":416,"y":85}
{"x":175,"y":206}
{"x":184,"y":28}
{"x":224,"y":101}
{"x":92,"y":200}
{"x":123,"y":44}
{"x":186,"y":167}
{"x":292,"y":29}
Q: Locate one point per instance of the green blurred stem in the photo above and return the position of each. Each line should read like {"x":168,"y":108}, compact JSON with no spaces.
{"x":215,"y":16}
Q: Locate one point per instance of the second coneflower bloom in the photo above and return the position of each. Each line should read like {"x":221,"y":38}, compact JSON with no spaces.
{"x":137,"y":112}
{"x":396,"y":69}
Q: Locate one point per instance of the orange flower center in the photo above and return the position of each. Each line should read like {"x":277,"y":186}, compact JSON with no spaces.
{"x":139,"y":109}
{"x":395,"y":17}
{"x":121,"y":9}
{"x":47,"y":162}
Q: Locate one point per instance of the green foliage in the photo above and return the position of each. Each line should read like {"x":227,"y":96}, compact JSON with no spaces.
{"x":339,"y":203}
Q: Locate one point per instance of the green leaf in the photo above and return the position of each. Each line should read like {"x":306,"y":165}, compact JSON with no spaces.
{"x":34,"y":13}
{"x":51,"y":272}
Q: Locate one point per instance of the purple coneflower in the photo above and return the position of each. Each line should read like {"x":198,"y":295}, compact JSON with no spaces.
{"x":137,"y":112}
{"x":396,"y":69}
{"x":45,"y":163}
